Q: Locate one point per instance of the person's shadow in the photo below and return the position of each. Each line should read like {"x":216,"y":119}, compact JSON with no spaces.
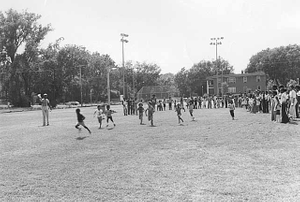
{"x":80,"y":138}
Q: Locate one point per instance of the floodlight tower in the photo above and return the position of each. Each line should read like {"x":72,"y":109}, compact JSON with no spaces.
{"x":126,"y":41}
{"x":216,"y":42}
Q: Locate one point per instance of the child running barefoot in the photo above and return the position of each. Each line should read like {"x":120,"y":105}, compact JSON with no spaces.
{"x":99,"y":113}
{"x":178,"y":110}
{"x":141,"y":112}
{"x":191,"y":107}
{"x":231,"y":108}
{"x":108,"y":114}
{"x":80,"y":119}
{"x":150,"y":111}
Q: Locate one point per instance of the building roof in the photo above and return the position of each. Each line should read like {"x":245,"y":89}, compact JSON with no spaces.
{"x":238,"y":75}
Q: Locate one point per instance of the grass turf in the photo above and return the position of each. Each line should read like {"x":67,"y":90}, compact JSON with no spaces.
{"x":212,"y":158}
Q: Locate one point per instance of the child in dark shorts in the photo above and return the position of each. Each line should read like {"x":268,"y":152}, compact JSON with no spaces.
{"x":80,"y":119}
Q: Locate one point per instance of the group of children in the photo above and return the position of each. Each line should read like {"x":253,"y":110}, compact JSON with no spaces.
{"x":148,"y":112}
{"x":100,"y":116}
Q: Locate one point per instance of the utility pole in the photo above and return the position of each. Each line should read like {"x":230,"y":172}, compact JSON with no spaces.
{"x":108,"y":86}
{"x":216,"y":42}
{"x":126,"y":41}
{"x":81,"y":100}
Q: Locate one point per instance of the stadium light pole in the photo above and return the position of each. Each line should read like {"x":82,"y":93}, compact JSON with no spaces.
{"x":126,"y":41}
{"x":108,"y":83}
{"x":216,"y":42}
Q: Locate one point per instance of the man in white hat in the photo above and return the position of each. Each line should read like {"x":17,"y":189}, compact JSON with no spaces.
{"x":45,"y":109}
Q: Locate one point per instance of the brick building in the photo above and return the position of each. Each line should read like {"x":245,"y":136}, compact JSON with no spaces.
{"x":236,"y":83}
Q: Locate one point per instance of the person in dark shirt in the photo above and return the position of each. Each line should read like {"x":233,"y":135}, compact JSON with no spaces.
{"x":108,"y":114}
{"x":150,"y":111}
{"x":178,"y":111}
{"x":80,"y":119}
{"x":141,"y":112}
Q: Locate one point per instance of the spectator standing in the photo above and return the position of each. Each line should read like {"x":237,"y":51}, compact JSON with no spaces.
{"x":45,"y":109}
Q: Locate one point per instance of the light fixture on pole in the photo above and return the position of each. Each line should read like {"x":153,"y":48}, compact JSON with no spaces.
{"x":126,"y":41}
{"x":216,"y":42}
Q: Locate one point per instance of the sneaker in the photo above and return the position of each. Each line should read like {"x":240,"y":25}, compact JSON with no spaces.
{"x":114,"y":124}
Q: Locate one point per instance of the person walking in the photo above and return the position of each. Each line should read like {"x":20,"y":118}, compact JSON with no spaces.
{"x":45,"y":109}
{"x":149,"y":112}
{"x":231,"y":107}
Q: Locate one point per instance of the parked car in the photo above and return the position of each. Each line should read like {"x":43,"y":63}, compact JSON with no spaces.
{"x":76,"y":103}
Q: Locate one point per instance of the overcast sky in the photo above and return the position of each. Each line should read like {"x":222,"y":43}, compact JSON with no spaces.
{"x":170,"y":33}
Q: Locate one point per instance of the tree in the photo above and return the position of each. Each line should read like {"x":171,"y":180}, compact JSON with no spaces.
{"x":280,"y":64}
{"x":181,"y":80}
{"x":167,"y":79}
{"x":18,"y":29}
{"x":193,"y":81}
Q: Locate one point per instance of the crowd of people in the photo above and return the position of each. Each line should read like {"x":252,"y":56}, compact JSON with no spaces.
{"x":280,"y":102}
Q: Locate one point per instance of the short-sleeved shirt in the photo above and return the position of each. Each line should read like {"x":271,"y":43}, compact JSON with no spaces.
{"x":140,"y":109}
{"x":99,"y":112}
{"x":108,"y":113}
{"x":45,"y":102}
{"x":80,"y":117}
{"x":178,"y":110}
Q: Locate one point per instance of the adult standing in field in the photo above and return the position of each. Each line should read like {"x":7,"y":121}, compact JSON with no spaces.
{"x":283,"y":101}
{"x":45,"y":109}
{"x":293,"y":102}
{"x":298,"y":100}
{"x":170,"y":103}
{"x":153,"y":101}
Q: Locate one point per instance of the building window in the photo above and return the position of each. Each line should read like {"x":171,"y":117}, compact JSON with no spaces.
{"x":257,"y":78}
{"x":245,"y":79}
{"x":219,"y":80}
{"x":211,"y":82}
{"x":231,"y":80}
{"x":231,"y":89}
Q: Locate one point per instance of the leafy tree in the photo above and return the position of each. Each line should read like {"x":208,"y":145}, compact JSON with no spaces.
{"x":167,"y":79}
{"x":280,"y":64}
{"x":193,"y":81}
{"x":181,"y":80}
{"x":18,"y":29}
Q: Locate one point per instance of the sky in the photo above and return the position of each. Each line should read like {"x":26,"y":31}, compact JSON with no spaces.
{"x":171,"y":33}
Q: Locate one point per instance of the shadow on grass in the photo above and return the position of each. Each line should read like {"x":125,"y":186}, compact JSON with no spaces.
{"x":293,"y":123}
{"x":81,"y":138}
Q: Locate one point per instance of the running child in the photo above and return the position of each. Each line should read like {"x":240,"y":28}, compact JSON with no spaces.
{"x":178,"y":110}
{"x":150,"y":111}
{"x":99,"y":113}
{"x":191,"y":109}
{"x":141,"y":112}
{"x":108,"y":114}
{"x":80,"y":119}
{"x":231,"y":108}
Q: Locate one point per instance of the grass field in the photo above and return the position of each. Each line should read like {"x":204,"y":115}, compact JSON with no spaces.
{"x":211,"y":159}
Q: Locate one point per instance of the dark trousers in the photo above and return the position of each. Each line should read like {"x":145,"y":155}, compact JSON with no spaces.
{"x":297,"y":110}
{"x":232,"y":113}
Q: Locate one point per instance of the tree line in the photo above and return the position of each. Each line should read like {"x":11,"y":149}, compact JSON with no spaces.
{"x":66,"y":72}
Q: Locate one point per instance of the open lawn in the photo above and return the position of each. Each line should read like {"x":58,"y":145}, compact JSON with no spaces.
{"x":211,"y":159}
